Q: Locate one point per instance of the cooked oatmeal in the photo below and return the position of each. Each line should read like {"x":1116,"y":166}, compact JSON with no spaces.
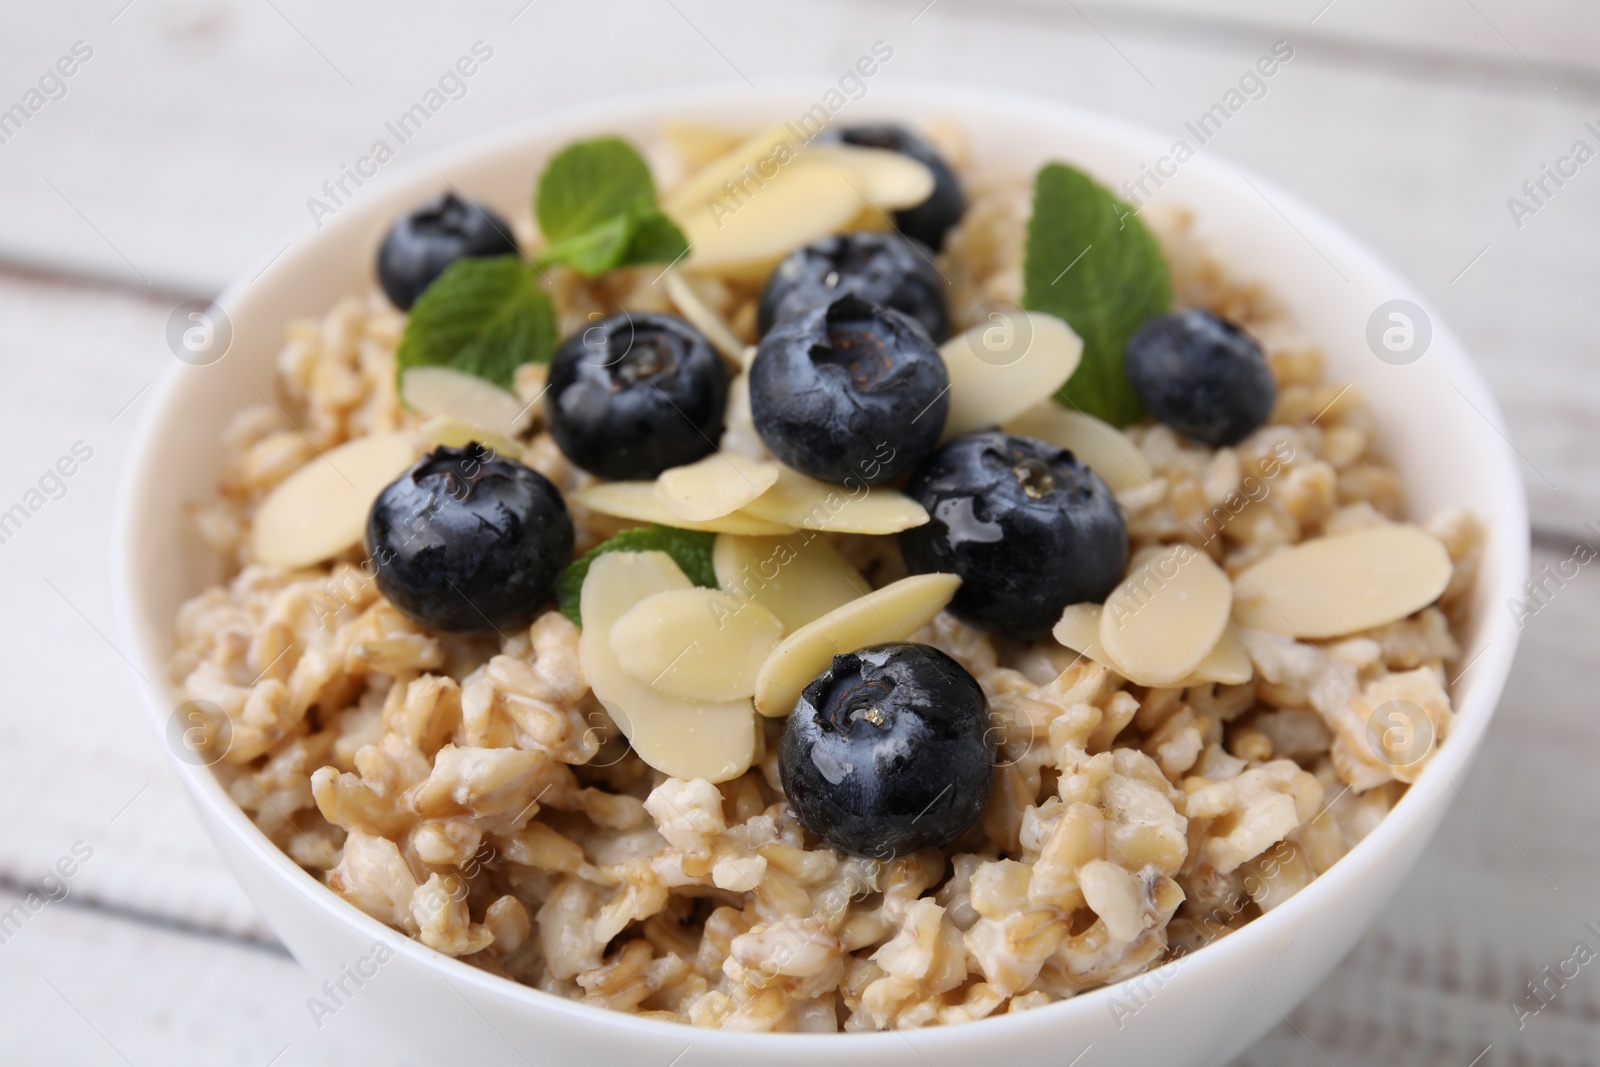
{"x":471,"y":792}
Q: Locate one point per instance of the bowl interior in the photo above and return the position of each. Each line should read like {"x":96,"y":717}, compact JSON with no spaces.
{"x":1436,"y":418}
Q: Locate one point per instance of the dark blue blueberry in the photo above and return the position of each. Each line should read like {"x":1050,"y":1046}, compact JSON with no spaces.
{"x":930,"y":220}
{"x":636,"y":393}
{"x":836,"y":389}
{"x":419,"y":246}
{"x":884,"y":268}
{"x":467,"y":541}
{"x":1202,"y":375}
{"x":889,"y":751}
{"x":1027,"y":527}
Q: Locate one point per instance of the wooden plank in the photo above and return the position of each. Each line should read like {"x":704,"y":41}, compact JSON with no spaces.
{"x":81,"y":762}
{"x":1543,"y":35}
{"x":80,"y":989}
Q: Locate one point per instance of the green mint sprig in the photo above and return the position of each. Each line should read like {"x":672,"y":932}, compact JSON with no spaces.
{"x":1091,"y":261}
{"x":596,"y":206}
{"x":485,"y":316}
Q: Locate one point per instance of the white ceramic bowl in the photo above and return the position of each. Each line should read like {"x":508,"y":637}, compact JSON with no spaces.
{"x":1434,"y":417}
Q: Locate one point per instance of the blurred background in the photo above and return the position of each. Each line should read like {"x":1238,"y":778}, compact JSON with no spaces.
{"x":181,"y":152}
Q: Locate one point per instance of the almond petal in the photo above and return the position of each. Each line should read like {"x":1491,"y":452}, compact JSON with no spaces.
{"x":706,"y":185}
{"x":801,"y":202}
{"x":1165,"y":616}
{"x":451,"y":432}
{"x":1333,"y":586}
{"x":1001,"y":368}
{"x":1079,"y":630}
{"x":697,"y":644}
{"x":321,"y":509}
{"x":798,"y":501}
{"x":1106,"y":450}
{"x":718,"y":485}
{"x":798,"y":577}
{"x":638,"y":501}
{"x":702,"y":318}
{"x":1227,"y":663}
{"x":698,"y":143}
{"x":715,"y":740}
{"x":886,"y":180}
{"x":434,"y":391}
{"x":892,"y":613}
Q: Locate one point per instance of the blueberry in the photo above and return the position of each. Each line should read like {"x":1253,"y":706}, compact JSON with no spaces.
{"x":466,"y":540}
{"x":850,"y":392}
{"x":1202,"y":375}
{"x":884,"y":268}
{"x":1027,"y":527}
{"x":419,"y":246}
{"x":889,"y":751}
{"x":929,"y":220}
{"x":636,"y":393}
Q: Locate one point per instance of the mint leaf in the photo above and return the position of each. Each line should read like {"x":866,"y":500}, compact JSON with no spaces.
{"x":588,"y":183}
{"x":596,"y":205}
{"x":1119,"y":283}
{"x":595,"y":250}
{"x":656,"y":239}
{"x":690,"y":549}
{"x":485,"y":315}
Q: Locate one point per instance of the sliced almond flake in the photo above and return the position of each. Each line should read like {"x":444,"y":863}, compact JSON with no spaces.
{"x":1144,"y":555}
{"x":434,"y":391}
{"x":886,"y":180}
{"x":999,"y":369}
{"x":870,"y":218}
{"x":638,"y":501}
{"x":1165,"y":616}
{"x":1333,"y":586}
{"x":798,"y":577}
{"x":1079,"y":630}
{"x":321,"y":509}
{"x":892,"y":613}
{"x":802,"y":202}
{"x":451,"y":432}
{"x":773,"y":193}
{"x":1227,"y":663}
{"x":698,"y":143}
{"x":715,"y":740}
{"x":1106,"y":450}
{"x":702,"y":318}
{"x":718,"y":485}
{"x":757,"y":153}
{"x":796,"y":501}
{"x":696,"y":644}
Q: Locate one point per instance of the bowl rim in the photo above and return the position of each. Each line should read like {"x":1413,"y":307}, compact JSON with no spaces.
{"x":1508,"y":539}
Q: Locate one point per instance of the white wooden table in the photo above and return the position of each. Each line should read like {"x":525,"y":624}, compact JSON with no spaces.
{"x":186,"y":145}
